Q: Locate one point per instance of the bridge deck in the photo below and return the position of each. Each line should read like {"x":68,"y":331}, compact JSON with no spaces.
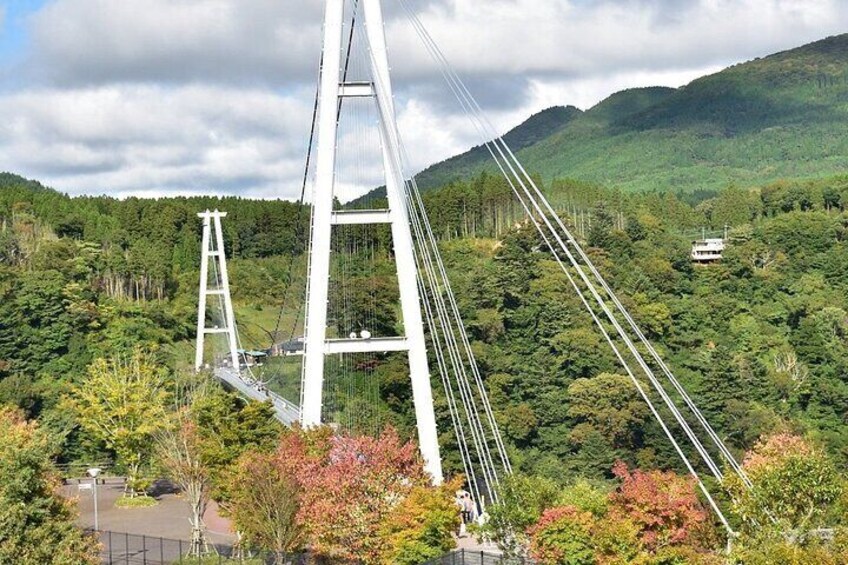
{"x":285,"y":411}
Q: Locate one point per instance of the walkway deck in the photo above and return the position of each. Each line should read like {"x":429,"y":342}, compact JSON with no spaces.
{"x":286,"y":412}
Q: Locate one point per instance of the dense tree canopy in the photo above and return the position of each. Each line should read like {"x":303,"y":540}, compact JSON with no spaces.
{"x":347,"y":498}
{"x":758,"y":338}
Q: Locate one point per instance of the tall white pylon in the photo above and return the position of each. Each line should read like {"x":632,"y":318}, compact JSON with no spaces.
{"x":213,"y":250}
{"x":317,"y":346}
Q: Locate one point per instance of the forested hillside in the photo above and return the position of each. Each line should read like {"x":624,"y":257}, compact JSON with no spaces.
{"x":533,"y":130}
{"x":781,"y":116}
{"x":85,"y":277}
{"x":758,"y":339}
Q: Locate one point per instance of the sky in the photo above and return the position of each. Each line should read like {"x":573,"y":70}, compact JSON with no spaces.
{"x":178,"y":97}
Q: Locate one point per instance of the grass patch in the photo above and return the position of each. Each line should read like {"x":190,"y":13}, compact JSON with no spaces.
{"x":137,"y":502}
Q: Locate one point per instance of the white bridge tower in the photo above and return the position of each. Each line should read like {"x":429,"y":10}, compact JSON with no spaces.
{"x":317,"y":346}
{"x":213,"y":251}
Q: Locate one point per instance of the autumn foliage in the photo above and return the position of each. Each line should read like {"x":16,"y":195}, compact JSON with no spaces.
{"x":652,"y":517}
{"x":419,"y":528}
{"x":36,"y":523}
{"x":563,"y":535}
{"x":793,"y":513}
{"x":360,"y":499}
{"x":662,"y":504}
{"x":350,"y":486}
{"x":795,"y":483}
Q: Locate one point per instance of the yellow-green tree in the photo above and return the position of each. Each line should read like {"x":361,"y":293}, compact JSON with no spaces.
{"x":36,"y":524}
{"x":122,"y":402}
{"x":420,"y":527}
{"x":794,"y":506}
{"x":795,"y":485}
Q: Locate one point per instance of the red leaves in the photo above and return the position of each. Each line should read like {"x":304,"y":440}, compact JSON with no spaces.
{"x":663,"y":504}
{"x":650,"y":514}
{"x":348,"y":486}
{"x":772,"y":449}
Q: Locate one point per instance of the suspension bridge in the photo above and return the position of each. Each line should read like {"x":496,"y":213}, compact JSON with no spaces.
{"x":345,"y":332}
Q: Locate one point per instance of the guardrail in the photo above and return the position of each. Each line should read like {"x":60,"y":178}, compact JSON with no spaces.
{"x":120,"y":548}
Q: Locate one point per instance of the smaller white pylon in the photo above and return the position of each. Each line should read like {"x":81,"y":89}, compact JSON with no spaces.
{"x":213,"y":250}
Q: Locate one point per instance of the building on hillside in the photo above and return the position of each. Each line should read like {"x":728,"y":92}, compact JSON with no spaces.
{"x":707,"y":250}
{"x":286,"y":348}
{"x":252,"y":358}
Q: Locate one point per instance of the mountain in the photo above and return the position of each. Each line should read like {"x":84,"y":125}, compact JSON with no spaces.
{"x":530,"y":132}
{"x":781,"y":116}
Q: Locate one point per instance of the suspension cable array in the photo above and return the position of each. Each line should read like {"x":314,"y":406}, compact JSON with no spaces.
{"x":627,"y":341}
{"x":479,"y":442}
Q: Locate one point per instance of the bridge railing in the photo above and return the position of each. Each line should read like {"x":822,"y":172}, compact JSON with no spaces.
{"x":286,"y":411}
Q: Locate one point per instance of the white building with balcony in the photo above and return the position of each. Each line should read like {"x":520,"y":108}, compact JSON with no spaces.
{"x":707,"y":250}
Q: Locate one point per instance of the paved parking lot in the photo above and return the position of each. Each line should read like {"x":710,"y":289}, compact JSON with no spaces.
{"x":168,"y":519}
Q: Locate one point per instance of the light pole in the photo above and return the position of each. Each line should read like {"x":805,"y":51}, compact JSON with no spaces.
{"x":93,"y":472}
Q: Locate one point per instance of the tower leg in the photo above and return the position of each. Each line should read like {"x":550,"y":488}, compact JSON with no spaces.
{"x":413,"y":324}
{"x":225,"y":288}
{"x":201,"y":301}
{"x":322,"y":209}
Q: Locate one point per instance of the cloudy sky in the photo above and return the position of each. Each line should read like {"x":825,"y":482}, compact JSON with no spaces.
{"x":166,"y":97}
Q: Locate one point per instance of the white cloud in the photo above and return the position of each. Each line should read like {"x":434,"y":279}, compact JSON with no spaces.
{"x":586,"y":92}
{"x":273,"y":42}
{"x":183,"y":96}
{"x":130,"y":139}
{"x":570,"y":38}
{"x":96,"y":41}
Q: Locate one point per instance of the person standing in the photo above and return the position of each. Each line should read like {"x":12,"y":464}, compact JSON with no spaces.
{"x":470,"y":509}
{"x":463,"y":516}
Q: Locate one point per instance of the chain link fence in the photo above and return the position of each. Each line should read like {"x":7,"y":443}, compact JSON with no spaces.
{"x":468,"y":557}
{"x":118,"y":548}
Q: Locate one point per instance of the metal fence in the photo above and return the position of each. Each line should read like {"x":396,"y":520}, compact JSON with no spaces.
{"x":467,"y":557}
{"x":118,"y":548}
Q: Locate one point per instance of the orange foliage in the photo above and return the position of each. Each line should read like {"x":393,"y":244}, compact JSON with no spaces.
{"x":563,"y":535}
{"x":348,"y":487}
{"x":663,"y":504}
{"x":775,"y":448}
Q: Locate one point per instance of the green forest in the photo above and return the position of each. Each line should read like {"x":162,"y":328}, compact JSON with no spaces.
{"x":759,"y":338}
